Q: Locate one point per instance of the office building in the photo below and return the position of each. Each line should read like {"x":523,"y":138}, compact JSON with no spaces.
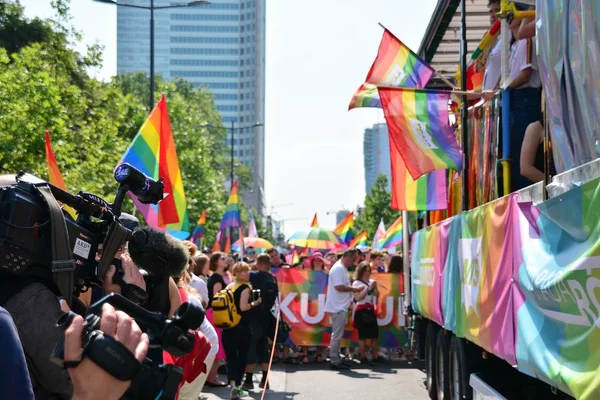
{"x":340,"y":215}
{"x":376,"y":153}
{"x":220,"y":46}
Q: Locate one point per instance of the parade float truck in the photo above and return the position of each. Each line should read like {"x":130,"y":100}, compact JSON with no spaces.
{"x":507,"y":294}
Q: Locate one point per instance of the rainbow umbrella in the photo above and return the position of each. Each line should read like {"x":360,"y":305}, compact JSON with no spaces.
{"x":255,"y":242}
{"x":317,"y":238}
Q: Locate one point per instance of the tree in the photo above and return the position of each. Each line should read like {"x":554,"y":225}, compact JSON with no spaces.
{"x":377,"y":206}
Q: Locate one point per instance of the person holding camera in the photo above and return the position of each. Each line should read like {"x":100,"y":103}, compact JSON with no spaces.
{"x":236,"y":340}
{"x":264,"y":281}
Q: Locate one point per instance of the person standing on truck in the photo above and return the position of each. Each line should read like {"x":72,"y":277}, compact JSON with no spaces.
{"x":339,"y":296}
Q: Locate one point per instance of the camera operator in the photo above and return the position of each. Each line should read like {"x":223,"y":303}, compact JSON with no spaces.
{"x":260,"y":320}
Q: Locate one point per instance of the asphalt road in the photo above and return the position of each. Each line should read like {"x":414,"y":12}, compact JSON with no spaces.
{"x":394,"y":380}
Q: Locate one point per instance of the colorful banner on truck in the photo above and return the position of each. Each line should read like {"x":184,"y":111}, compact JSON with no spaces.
{"x":302,"y":305}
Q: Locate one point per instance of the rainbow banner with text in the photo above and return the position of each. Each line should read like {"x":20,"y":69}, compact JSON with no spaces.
{"x":302,"y":305}
{"x":557,"y":307}
{"x":428,"y":259}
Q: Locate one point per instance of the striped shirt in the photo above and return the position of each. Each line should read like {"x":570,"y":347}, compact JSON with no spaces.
{"x":522,"y":56}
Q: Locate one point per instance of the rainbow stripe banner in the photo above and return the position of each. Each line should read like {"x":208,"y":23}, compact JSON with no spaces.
{"x":153,"y":152}
{"x":303,"y":294}
{"x":428,"y":259}
{"x":419,"y":129}
{"x":232,"y":216}
{"x":429,"y":192}
{"x":395,"y":65}
{"x":198,"y":233}
{"x":54,"y":176}
{"x":344,"y":228}
{"x":359,"y":241}
{"x":293,"y":258}
{"x":393,"y":236}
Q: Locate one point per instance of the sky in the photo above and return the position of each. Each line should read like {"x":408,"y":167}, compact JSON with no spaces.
{"x":318,"y":52}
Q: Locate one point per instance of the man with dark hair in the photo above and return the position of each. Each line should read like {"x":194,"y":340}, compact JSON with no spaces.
{"x":491,"y":78}
{"x":260,"y":319}
{"x":276,"y":261}
{"x":339,"y":296}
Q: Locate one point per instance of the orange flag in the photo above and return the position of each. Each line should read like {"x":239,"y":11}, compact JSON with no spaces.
{"x":315,"y":222}
{"x":227,"y":245}
{"x":54,"y":175}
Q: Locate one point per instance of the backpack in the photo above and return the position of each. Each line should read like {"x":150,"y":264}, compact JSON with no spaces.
{"x":192,"y":363}
{"x":225,"y":311}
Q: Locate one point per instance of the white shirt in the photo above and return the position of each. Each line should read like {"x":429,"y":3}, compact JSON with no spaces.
{"x":493,"y":67}
{"x":337,"y":301}
{"x":200,"y":285}
{"x":369,"y":298}
{"x":522,"y":56}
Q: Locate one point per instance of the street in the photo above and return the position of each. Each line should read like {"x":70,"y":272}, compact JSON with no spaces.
{"x":401,"y":379}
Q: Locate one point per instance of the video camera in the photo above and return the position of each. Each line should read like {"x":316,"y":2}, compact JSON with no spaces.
{"x":27,"y":239}
{"x":148,"y":381}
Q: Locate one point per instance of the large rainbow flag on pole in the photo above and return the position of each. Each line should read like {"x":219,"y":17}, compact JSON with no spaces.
{"x":153,"y":152}
{"x":232,"y":218}
{"x":54,"y":176}
{"x":393,"y":236}
{"x":419,"y":129}
{"x":344,"y":228}
{"x":198,"y":233}
{"x":429,"y":192}
{"x":395,"y":65}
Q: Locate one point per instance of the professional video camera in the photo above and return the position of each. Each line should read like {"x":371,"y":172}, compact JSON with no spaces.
{"x":148,"y":382}
{"x":32,"y":231}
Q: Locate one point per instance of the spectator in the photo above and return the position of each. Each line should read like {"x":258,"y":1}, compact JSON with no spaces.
{"x":260,"y":320}
{"x":217,"y":265}
{"x":525,"y":98}
{"x":316,"y":262}
{"x":331,"y":258}
{"x":201,"y":271}
{"x":194,"y":281}
{"x":339,"y":296}
{"x":396,"y":264}
{"x":377,"y":261}
{"x":527,"y":28}
{"x":14,"y":380}
{"x":237,"y":340}
{"x":276,"y":261}
{"x":386,"y":257}
{"x":251,"y":255}
{"x":365,"y":319}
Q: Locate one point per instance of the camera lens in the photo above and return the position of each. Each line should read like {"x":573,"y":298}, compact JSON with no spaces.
{"x":190,"y":315}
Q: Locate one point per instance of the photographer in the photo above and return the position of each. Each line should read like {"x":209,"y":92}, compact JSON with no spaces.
{"x":260,"y":320}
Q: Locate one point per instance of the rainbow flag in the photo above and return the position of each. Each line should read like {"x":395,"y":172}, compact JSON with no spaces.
{"x":231,"y":218}
{"x":252,"y":232}
{"x":378,"y":234}
{"x":360,"y":240}
{"x":315,"y":222}
{"x":153,"y":152}
{"x":419,"y":129}
{"x":395,"y":65}
{"x":344,"y":228}
{"x":488,"y":41}
{"x":54,"y":176}
{"x":429,"y":192}
{"x":216,"y":247}
{"x":199,"y":229}
{"x":294,"y":258}
{"x":393,"y":236}
{"x":227,"y":249}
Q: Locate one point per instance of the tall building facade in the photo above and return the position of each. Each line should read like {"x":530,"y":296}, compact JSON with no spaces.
{"x":376,"y":154}
{"x":220,"y":46}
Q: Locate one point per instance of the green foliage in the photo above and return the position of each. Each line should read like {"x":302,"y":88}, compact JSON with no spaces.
{"x":44,"y":84}
{"x":377,"y":206}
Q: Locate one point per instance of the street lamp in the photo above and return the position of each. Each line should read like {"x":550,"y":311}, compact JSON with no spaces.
{"x":151,"y":8}
{"x":233,"y":128}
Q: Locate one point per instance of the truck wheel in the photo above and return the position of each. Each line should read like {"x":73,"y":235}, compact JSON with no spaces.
{"x":460,"y":371}
{"x":441,"y":366}
{"x":430,"y":349}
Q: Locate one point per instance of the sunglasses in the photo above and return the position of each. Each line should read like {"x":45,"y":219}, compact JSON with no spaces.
{"x":251,"y":253}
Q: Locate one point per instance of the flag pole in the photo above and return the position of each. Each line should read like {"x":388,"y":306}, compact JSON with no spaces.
{"x":445,"y":80}
{"x":456,"y":92}
{"x":406,"y":258}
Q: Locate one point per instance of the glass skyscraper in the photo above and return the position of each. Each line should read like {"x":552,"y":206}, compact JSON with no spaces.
{"x":220,"y":46}
{"x":376,"y":154}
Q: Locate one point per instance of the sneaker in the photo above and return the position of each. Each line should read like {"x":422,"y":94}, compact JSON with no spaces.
{"x":263,"y":386}
{"x":248,"y":385}
{"x":237,"y":393}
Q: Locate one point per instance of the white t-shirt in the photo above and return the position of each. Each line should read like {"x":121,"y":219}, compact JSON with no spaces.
{"x":522,"y":56}
{"x":337,"y":301}
{"x":200,"y":285}
{"x":369,"y":298}
{"x":493,"y":67}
